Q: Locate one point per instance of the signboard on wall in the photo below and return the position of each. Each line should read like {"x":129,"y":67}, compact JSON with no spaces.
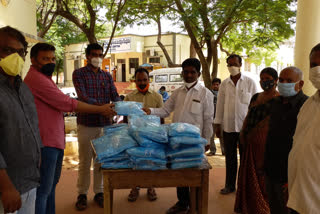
{"x":119,"y":45}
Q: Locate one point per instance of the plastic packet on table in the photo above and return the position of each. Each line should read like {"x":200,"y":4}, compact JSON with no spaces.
{"x":185,"y":151}
{"x":137,"y":121}
{"x":110,"y":145}
{"x":118,"y":157}
{"x":113,"y":128}
{"x":187,"y":159}
{"x":123,"y":164}
{"x":188,"y":164}
{"x":149,"y":163}
{"x":175,"y":142}
{"x":155,"y":133}
{"x":147,"y":152}
{"x":183,"y":129}
{"x":126,"y":108}
{"x":145,"y":142}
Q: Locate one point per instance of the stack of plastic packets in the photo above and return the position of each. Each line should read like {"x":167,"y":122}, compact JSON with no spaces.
{"x":152,"y":139}
{"x":186,"y":146}
{"x":110,"y":148}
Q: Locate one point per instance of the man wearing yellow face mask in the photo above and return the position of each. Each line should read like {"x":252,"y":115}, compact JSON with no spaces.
{"x":20,"y":139}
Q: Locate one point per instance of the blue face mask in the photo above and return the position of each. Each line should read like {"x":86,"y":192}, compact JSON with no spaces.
{"x":287,"y":89}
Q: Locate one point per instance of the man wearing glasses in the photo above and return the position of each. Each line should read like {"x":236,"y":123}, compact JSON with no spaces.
{"x":193,"y":104}
{"x":93,"y":86}
{"x":20,"y":139}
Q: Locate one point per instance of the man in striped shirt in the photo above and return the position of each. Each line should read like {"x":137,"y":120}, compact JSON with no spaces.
{"x":93,"y":86}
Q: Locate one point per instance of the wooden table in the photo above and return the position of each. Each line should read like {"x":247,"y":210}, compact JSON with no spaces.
{"x":195,"y":178}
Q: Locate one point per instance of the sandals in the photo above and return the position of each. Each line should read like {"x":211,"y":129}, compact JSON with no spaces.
{"x":98,"y":198}
{"x":152,"y":195}
{"x":134,"y":194}
{"x":81,"y":203}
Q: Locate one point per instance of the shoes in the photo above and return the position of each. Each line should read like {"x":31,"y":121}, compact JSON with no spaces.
{"x":227,"y":190}
{"x":98,"y":198}
{"x":134,"y":194}
{"x":178,"y":209}
{"x":152,"y":195}
{"x":81,"y":203}
{"x":210,"y":153}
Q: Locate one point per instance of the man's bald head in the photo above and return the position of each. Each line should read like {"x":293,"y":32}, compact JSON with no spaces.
{"x":296,"y":71}
{"x":292,"y":75}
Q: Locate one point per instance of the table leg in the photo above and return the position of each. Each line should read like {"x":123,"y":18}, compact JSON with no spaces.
{"x":193,"y":200}
{"x":108,"y":195}
{"x":202,"y":193}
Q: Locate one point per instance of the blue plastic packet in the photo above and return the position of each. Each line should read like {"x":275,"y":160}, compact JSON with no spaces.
{"x":113,"y":128}
{"x":147,"y":152}
{"x":145,"y":142}
{"x":152,"y":132}
{"x":138,"y":121}
{"x":185,"y":151}
{"x":124,"y":164}
{"x":175,"y":142}
{"x":115,"y":143}
{"x":126,"y":108}
{"x":183,"y":129}
{"x":189,"y":164}
{"x":149,"y":163}
{"x":118,"y":157}
{"x":187,"y":159}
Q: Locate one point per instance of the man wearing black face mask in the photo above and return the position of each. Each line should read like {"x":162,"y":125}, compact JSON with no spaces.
{"x":51,"y":103}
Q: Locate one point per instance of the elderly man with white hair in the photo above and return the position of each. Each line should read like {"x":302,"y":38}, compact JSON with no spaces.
{"x":304,"y":168}
{"x":282,"y":125}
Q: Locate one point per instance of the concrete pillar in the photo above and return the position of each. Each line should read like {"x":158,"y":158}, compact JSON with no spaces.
{"x":307,"y":36}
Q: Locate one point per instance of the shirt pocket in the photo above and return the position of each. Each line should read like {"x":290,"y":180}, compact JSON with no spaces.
{"x":245,"y":97}
{"x":195,"y":106}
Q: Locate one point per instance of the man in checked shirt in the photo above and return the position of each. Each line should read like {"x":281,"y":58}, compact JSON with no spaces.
{"x":93,"y":86}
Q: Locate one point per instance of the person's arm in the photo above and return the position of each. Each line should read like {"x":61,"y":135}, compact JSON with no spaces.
{"x":105,"y":110}
{"x":208,"y":112}
{"x":165,"y":110}
{"x":79,"y":85}
{"x":10,"y":197}
{"x":220,"y":110}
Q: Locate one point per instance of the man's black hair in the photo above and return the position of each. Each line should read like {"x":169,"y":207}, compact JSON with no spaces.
{"x":192,"y":62}
{"x":14,"y":33}
{"x":41,"y":47}
{"x":315,"y":49}
{"x":235,"y":56}
{"x":216,"y":80}
{"x":93,"y":46}
{"x":141,"y":70}
{"x":270,"y":71}
{"x":163,"y":88}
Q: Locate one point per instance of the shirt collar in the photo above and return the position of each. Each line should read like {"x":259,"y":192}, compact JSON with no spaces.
{"x":294,"y":99}
{"x":196,"y":87}
{"x":138,"y":92}
{"x":89,"y":68}
{"x":241,"y":78}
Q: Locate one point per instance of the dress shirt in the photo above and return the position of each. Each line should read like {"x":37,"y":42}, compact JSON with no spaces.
{"x":194,"y":107}
{"x":20,"y":139}
{"x":94,"y":88}
{"x":50,"y":103}
{"x":150,"y":100}
{"x":233,"y":102}
{"x":282,"y":125}
{"x":304,"y":168}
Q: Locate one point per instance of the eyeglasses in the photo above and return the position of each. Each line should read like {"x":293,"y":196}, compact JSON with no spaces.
{"x":8,"y":51}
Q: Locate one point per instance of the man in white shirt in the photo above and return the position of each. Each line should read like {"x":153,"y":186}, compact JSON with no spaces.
{"x":193,"y":104}
{"x":304,"y":157}
{"x":232,"y":107}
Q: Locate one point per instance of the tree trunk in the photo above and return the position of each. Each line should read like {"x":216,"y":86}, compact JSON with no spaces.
{"x":214,"y":48}
{"x":193,"y":52}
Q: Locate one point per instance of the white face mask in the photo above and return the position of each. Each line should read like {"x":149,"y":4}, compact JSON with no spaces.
{"x":96,"y":62}
{"x":234,"y":70}
{"x":314,"y":76}
{"x":188,"y":85}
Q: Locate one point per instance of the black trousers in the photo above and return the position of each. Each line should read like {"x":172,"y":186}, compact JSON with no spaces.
{"x":231,"y":141}
{"x":183,"y":194}
{"x":276,"y":197}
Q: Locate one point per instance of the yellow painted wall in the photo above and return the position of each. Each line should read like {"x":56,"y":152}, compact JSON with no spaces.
{"x":182,"y":48}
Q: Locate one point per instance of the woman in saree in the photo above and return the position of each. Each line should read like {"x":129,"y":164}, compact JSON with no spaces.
{"x":251,"y":195}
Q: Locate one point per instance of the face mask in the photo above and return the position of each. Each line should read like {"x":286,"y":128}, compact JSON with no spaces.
{"x":96,"y":62}
{"x":12,"y":64}
{"x":233,"y":70}
{"x":48,"y":69}
{"x":188,"y":85}
{"x":143,"y":88}
{"x":287,"y":89}
{"x":266,"y":85}
{"x":314,"y":76}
